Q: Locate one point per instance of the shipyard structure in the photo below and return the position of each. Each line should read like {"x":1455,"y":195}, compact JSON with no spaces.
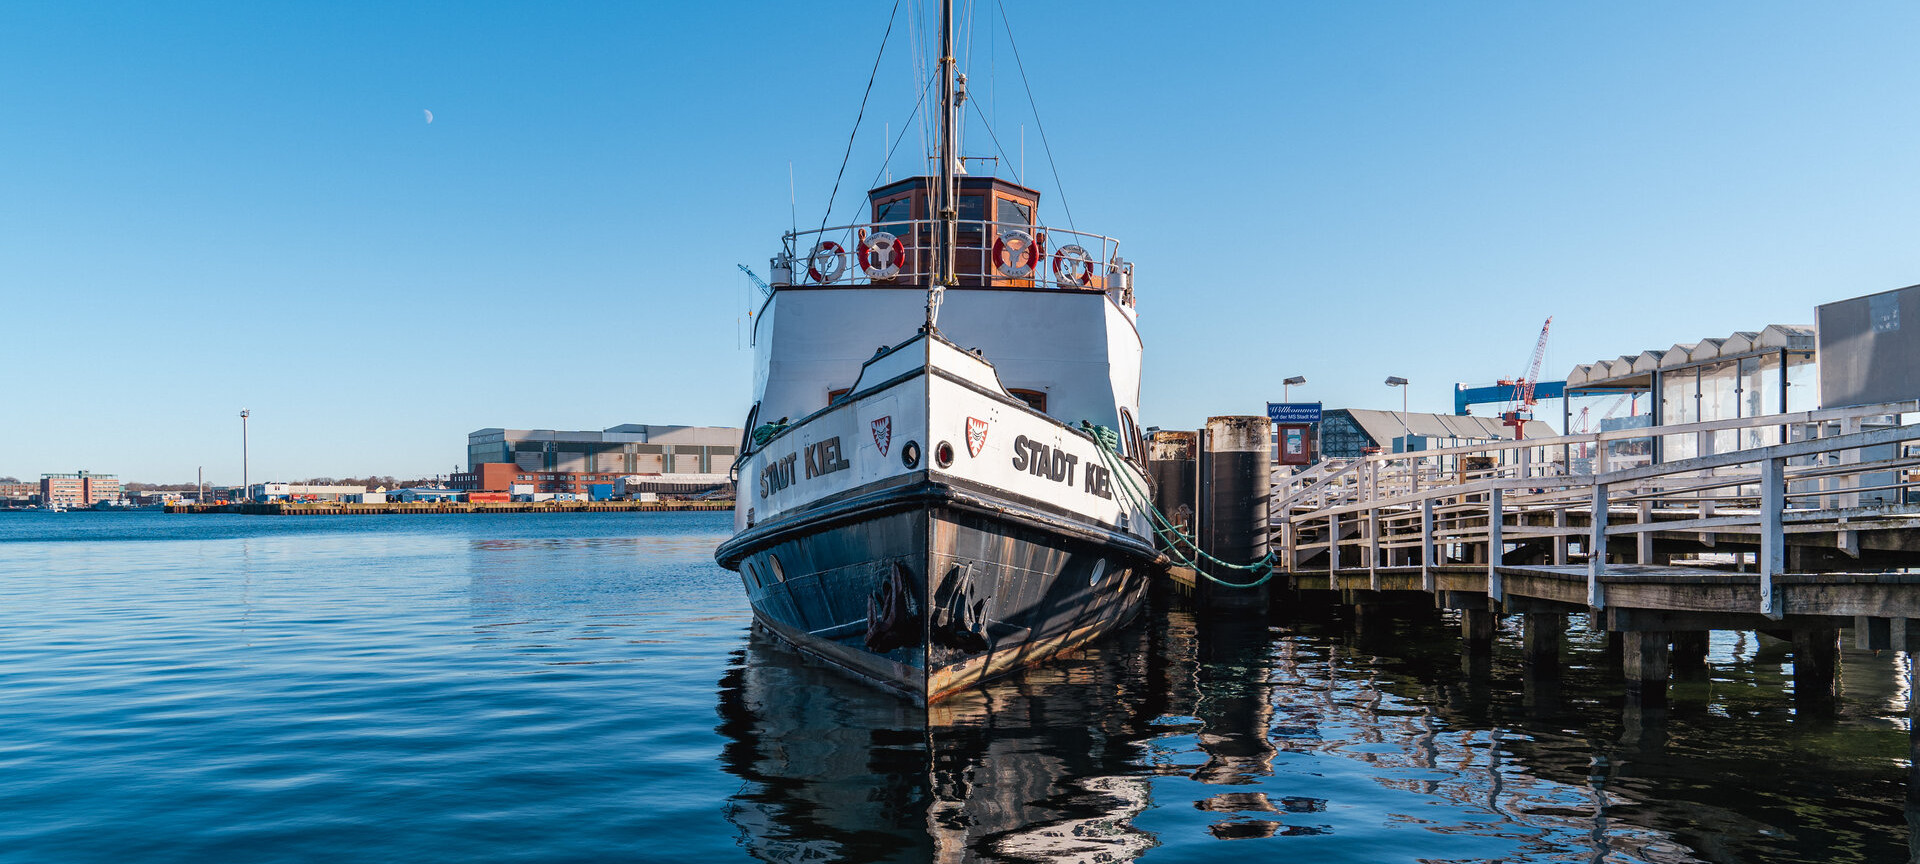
{"x":639,"y":458}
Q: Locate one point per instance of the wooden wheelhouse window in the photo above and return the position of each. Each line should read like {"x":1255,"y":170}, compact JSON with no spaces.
{"x":1013,"y":212}
{"x":1034,"y":398}
{"x":893,"y":214}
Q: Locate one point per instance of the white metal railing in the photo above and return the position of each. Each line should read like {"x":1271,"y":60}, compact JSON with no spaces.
{"x":1390,"y":502}
{"x":999,"y":253}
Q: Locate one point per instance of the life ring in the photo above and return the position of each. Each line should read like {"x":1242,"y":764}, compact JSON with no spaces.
{"x":1072,"y":266}
{"x":828,"y":256}
{"x":882,"y":255}
{"x":1021,"y":244}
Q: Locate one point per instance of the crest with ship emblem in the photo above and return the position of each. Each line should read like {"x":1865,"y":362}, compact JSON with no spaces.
{"x":976,"y":436}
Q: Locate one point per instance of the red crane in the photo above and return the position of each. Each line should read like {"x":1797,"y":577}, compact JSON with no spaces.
{"x":1521,"y":409}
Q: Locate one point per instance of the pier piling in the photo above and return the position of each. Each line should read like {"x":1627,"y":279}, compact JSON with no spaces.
{"x":1477,"y":628}
{"x":1646,"y":662}
{"x":1816,"y":671}
{"x":1690,"y":654}
{"x":1235,"y":458}
{"x":1540,"y":640}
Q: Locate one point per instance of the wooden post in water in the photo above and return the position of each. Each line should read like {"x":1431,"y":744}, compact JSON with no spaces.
{"x":1477,"y":627}
{"x":1646,"y":664}
{"x":1690,"y":654}
{"x":1816,"y":671}
{"x":1234,"y":502}
{"x":1540,"y":638}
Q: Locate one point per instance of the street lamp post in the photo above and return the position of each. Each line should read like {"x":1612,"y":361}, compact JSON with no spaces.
{"x":245,"y":486}
{"x":1406,"y":432}
{"x":1287,"y":385}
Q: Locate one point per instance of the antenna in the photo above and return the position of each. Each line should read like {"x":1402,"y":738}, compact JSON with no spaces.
{"x":793,"y":209}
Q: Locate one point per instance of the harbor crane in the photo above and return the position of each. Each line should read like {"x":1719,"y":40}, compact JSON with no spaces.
{"x":765,"y":289}
{"x":1521,"y":407}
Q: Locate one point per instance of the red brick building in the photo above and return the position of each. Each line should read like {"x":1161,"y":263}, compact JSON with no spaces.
{"x":80,"y":489}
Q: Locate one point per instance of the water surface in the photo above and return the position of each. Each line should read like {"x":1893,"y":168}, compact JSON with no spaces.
{"x":538,"y":687}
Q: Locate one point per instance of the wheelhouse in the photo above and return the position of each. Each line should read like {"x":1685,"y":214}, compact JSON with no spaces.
{"x":999,"y":243}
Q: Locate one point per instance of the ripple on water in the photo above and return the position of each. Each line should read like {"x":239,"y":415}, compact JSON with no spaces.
{"x":561,"y":688}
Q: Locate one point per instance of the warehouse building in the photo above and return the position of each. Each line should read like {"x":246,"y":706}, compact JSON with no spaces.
{"x":1347,"y":433}
{"x":568,"y":461}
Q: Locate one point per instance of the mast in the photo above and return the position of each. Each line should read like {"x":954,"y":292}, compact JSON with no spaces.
{"x":947,"y":227}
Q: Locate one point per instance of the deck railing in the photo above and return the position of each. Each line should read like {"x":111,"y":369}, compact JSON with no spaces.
{"x":1005,"y":254}
{"x":1404,"y":506}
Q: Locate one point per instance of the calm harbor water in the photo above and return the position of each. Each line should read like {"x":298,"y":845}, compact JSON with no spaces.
{"x":589,"y":687}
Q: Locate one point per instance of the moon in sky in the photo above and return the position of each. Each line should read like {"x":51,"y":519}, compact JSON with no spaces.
{"x":429,"y":115}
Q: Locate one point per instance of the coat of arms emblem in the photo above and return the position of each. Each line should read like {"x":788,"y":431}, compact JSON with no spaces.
{"x":976,"y":436}
{"x":883,"y":433}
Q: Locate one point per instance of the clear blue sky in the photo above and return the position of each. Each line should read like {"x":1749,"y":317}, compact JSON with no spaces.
{"x":211,"y":206}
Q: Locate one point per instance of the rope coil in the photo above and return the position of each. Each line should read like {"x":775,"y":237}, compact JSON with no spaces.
{"x":1174,"y":537}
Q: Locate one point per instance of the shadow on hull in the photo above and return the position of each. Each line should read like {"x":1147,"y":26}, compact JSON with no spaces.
{"x":1004,"y":592}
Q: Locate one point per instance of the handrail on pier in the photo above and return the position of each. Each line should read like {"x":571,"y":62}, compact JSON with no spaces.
{"x":1403,"y":504}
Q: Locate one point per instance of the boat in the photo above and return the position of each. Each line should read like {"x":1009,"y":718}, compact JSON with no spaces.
{"x":942,"y":474}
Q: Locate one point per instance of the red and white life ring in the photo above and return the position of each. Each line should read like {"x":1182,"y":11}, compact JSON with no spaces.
{"x":1072,"y":266}
{"x":882,"y":255}
{"x":1017,"y":243}
{"x":829,"y":257}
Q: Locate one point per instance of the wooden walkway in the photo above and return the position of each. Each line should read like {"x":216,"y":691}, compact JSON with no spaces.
{"x":1804,"y":534}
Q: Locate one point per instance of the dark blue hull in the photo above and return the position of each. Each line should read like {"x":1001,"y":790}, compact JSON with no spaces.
{"x":929,"y":588}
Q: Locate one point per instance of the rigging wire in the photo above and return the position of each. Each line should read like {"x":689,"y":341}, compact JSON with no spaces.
{"x":1015,"y":45}
{"x":920,"y":75}
{"x":990,"y":135}
{"x":918,"y":103}
{"x":862,"y":115}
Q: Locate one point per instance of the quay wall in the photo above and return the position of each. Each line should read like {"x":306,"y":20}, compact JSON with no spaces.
{"x":281,"y":508}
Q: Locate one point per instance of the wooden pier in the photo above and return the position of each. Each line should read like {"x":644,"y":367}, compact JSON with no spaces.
{"x":1802,"y":538}
{"x":325,"y":508}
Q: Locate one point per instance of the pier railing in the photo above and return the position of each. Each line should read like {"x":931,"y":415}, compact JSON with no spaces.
{"x":1838,"y":471}
{"x":1005,"y":254}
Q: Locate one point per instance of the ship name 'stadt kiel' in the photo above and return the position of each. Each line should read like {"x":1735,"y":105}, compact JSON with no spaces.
{"x":823,"y":457}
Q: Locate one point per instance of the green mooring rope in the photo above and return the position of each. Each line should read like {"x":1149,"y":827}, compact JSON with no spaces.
{"x":1164,"y":528}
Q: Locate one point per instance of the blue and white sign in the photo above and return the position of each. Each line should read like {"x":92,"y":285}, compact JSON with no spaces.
{"x":1293,"y":412}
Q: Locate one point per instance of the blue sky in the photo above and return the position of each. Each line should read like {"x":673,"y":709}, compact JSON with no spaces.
{"x":211,"y":206}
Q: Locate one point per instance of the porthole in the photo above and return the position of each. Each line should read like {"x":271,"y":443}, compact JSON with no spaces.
{"x":753,"y":576}
{"x":910,"y":454}
{"x":943,"y":454}
{"x":1099,"y":570}
{"x":779,"y":572}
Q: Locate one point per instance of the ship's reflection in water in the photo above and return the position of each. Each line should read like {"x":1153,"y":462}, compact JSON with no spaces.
{"x":1172,"y":738}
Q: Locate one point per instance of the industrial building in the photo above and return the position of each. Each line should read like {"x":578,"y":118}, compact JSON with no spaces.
{"x":1750,"y":373}
{"x":17,"y":494}
{"x":79,"y":489}
{"x":1346,"y":433}
{"x":673,"y":458}
{"x":301,"y":492}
